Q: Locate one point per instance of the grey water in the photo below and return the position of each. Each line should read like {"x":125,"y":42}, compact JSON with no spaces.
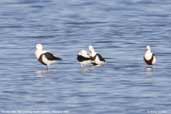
{"x":118,"y":29}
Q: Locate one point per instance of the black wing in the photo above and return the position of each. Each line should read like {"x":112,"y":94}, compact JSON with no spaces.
{"x":50,"y":56}
{"x":100,"y":57}
{"x":41,"y":59}
{"x":82,"y":58}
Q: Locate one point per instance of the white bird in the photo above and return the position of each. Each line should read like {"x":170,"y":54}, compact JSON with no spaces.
{"x":84,"y":58}
{"x":149,"y":56}
{"x":44,"y":57}
{"x":96,"y":58}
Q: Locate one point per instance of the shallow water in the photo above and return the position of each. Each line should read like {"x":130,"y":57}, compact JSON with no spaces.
{"x":118,"y":29}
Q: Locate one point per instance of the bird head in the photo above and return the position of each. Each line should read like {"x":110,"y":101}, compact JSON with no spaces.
{"x":39,"y":46}
{"x":148,"y":48}
{"x":84,"y":53}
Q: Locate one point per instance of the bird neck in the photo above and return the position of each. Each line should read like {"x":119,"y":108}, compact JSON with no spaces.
{"x":93,"y":53}
{"x":38,"y":53}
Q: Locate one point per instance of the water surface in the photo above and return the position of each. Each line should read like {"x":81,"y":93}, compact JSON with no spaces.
{"x":118,"y":29}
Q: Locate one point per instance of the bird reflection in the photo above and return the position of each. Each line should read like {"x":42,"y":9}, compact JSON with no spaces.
{"x":149,"y":70}
{"x":41,"y":73}
{"x":90,"y":68}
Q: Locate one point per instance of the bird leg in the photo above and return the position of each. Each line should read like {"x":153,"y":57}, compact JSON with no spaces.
{"x":47,"y":67}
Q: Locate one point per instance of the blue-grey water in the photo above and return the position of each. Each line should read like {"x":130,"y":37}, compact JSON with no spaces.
{"x":118,"y":29}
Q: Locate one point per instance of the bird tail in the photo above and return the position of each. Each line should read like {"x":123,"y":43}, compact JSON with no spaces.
{"x":58,"y":58}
